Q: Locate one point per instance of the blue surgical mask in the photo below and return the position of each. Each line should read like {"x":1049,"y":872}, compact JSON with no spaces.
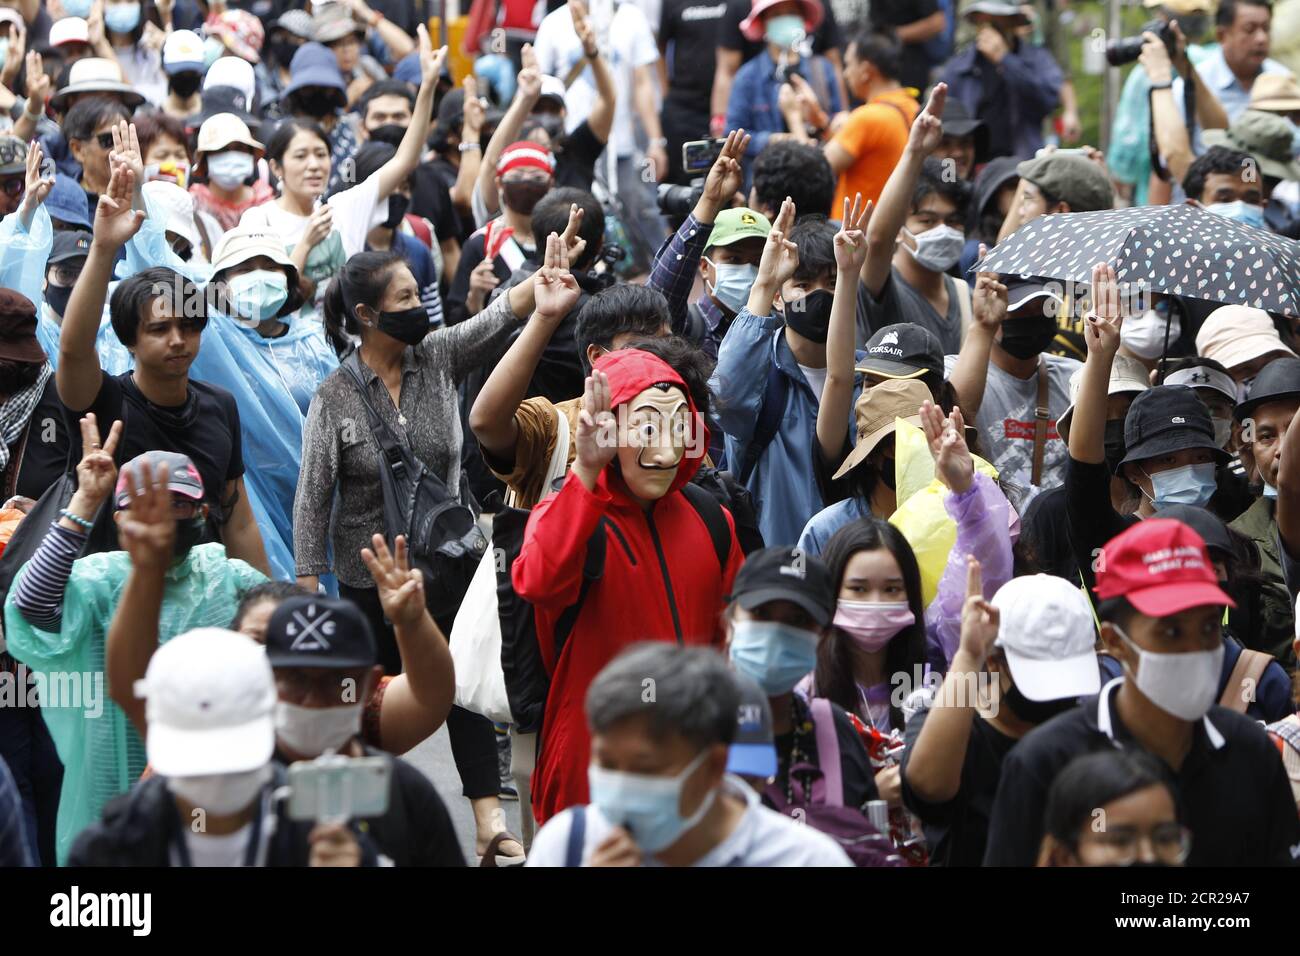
{"x":258,"y":296}
{"x":1248,"y":214}
{"x":733,"y":283}
{"x":230,"y":169}
{"x":786,"y":30}
{"x":77,"y":8}
{"x":122,"y":17}
{"x":776,"y":656}
{"x":648,"y":806}
{"x":1187,"y":485}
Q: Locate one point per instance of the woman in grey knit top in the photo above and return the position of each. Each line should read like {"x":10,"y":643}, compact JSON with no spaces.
{"x":411,"y":375}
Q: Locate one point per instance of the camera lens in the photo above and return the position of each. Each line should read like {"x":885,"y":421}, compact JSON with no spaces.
{"x":1125,"y":51}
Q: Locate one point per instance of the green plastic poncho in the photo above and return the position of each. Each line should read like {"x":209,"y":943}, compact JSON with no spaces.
{"x":101,"y":752}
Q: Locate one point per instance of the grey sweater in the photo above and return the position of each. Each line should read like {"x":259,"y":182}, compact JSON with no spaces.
{"x":340,"y":453}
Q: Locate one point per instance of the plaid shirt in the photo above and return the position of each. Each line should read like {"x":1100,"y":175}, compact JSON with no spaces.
{"x":676,"y":264}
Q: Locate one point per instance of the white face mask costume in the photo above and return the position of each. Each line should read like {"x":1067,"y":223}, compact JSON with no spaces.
{"x":658,"y":435}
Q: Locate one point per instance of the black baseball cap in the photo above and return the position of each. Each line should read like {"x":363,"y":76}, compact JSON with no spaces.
{"x":318,"y":631}
{"x":753,"y":750}
{"x":1277,"y":381}
{"x":903,"y":351}
{"x":786,"y":574}
{"x":1205,"y":523}
{"x":1166,"y":419}
{"x":70,"y":244}
{"x":957,"y":121}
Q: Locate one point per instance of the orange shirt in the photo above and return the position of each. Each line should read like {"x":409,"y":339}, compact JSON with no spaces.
{"x":874,"y":135}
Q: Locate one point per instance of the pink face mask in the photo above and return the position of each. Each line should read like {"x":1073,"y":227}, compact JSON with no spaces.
{"x":872,"y":624}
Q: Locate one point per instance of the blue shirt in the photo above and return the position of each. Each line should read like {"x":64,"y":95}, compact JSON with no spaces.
{"x":1032,"y":84}
{"x":1223,"y":83}
{"x":825,"y":523}
{"x":754,"y":93}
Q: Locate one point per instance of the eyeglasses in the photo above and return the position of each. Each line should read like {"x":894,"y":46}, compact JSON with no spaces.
{"x":65,"y":276}
{"x":1170,"y":842}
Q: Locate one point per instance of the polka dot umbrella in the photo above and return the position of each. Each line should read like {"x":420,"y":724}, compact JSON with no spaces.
{"x":1179,"y":250}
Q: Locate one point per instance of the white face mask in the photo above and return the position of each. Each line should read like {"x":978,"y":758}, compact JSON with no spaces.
{"x":937,"y":249}
{"x":221,"y":793}
{"x":1144,"y":335}
{"x":229,"y":169}
{"x":310,"y":731}
{"x":1185,"y":685}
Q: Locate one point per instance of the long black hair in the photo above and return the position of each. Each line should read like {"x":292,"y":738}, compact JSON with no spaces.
{"x":905,"y":652}
{"x":361,"y":281}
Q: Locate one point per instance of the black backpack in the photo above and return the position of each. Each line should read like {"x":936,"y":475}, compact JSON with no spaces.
{"x":442,"y":535}
{"x":527,"y":682}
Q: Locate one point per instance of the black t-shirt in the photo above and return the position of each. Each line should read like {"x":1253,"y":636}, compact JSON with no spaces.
{"x":689,"y":29}
{"x":453,"y":303}
{"x":858,"y":778}
{"x":575,"y":159}
{"x":827,"y":37}
{"x":431,"y":198}
{"x":1232,"y":787}
{"x":45,"y":454}
{"x":956,"y":830}
{"x":889,"y":14}
{"x":206,"y":428}
{"x":1091,"y":520}
{"x":417,"y":829}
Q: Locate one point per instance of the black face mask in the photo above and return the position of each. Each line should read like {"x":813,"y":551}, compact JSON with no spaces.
{"x":389,"y":133}
{"x":57,"y":296}
{"x":185,"y":84}
{"x":1115,"y":447}
{"x":1034,"y":711}
{"x":409,"y":326}
{"x":524,"y":196}
{"x":189,"y":532}
{"x":397,"y":206}
{"x":1024,"y":341}
{"x":316,"y":104}
{"x":888,"y":474}
{"x":553,"y":123}
{"x":283,"y":51}
{"x":810,"y":315}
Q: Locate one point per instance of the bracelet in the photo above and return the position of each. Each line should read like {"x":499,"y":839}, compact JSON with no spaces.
{"x":661,"y":141}
{"x":469,"y":147}
{"x":1167,"y":85}
{"x":82,"y":522}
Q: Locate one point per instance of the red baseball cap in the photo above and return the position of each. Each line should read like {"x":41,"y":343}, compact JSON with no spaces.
{"x":526,"y":155}
{"x":1162,"y":567}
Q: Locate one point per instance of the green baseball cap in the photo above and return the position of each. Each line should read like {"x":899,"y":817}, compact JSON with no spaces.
{"x":1072,"y":179}
{"x":733,"y":225}
{"x":1264,"y":136}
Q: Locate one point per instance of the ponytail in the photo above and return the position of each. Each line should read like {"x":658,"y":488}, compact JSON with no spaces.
{"x":361,"y":281}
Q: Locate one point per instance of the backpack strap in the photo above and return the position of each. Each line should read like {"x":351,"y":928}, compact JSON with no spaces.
{"x":710,"y":511}
{"x":384,"y":437}
{"x":1245,"y":677}
{"x":1041,"y":416}
{"x":577,"y":836}
{"x":775,"y":395}
{"x":828,"y":751}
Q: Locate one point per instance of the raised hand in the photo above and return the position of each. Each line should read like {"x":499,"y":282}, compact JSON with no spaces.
{"x":555,"y":290}
{"x":431,"y":60}
{"x":780,"y":255}
{"x":953,"y":464}
{"x":115,"y":220}
{"x":726,"y":174}
{"x":482,"y":280}
{"x":574,"y":245}
{"x":401,"y":587}
{"x":95,"y":25}
{"x":927,"y":130}
{"x":16,"y":55}
{"x":474,"y":112}
{"x":126,"y":150}
{"x":37,"y":187}
{"x":583,"y":28}
{"x":596,"y":441}
{"x":1103,"y":322}
{"x":148,"y":525}
{"x":529,"y":82}
{"x":989,"y":300}
{"x":979,"y":618}
{"x":38,"y":84}
{"x":851,"y":240}
{"x":96,"y":472}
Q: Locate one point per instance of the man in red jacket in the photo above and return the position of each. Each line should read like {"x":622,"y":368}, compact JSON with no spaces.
{"x":640,"y":439}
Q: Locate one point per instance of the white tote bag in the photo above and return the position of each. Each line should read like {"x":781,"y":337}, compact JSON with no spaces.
{"x":476,"y":632}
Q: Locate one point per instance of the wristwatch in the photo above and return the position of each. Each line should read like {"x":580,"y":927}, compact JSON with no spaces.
{"x":469,"y":147}
{"x":661,"y":141}
{"x":1166,"y":85}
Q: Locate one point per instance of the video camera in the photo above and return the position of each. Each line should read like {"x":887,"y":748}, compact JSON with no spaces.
{"x":698,"y":157}
{"x":1127,"y":50}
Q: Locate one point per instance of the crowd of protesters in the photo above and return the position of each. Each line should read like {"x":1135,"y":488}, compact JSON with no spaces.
{"x":761,"y":433}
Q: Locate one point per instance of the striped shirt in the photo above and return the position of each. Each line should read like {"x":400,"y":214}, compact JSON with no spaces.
{"x":39,"y":595}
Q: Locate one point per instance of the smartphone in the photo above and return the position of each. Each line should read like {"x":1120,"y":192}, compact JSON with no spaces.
{"x":335,"y":789}
{"x":699,"y":155}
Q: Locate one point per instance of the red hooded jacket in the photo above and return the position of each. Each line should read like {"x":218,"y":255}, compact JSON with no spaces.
{"x":661,"y":582}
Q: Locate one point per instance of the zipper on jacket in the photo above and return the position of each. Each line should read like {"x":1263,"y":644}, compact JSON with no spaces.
{"x":668,"y":584}
{"x":623,"y":541}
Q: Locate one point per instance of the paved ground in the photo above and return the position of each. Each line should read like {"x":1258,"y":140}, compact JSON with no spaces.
{"x":434,"y":758}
